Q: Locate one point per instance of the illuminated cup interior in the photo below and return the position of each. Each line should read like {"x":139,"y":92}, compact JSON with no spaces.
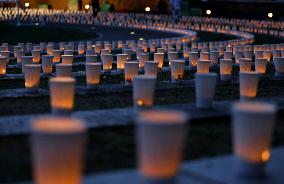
{"x":57,"y":146}
{"x":253,"y":125}
{"x":36,"y":56}
{"x":81,"y":49}
{"x":143,"y":91}
{"x":151,"y":68}
{"x":26,"y":60}
{"x":204,"y":55}
{"x":193,"y":58}
{"x":131,"y":70}
{"x":56,"y":56}
{"x":259,"y":54}
{"x":63,"y":70}
{"x":177,"y":70}
{"x":248,"y":85}
{"x":160,"y":141}
{"x":205,"y":85}
{"x":32,"y":77}
{"x":46,"y":64}
{"x":245,"y":65}
{"x":3,"y":65}
{"x":49,"y":49}
{"x":62,"y":93}
{"x":93,"y":73}
{"x":260,"y":65}
{"x":267,"y":55}
{"x":172,"y":56}
{"x":107,"y":60}
{"x":238,"y":56}
{"x":159,"y":57}
{"x":67,"y":59}
{"x":203,"y":66}
{"x":279,"y":66}
{"x":121,"y":59}
{"x":226,"y":69}
{"x":142,"y":58}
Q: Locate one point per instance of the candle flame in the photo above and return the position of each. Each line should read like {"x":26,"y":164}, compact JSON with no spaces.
{"x":265,"y":155}
{"x":140,"y":102}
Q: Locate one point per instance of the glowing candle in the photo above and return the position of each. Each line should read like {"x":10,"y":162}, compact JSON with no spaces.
{"x":159,"y":57}
{"x":228,"y":55}
{"x":107,"y":60}
{"x":81,"y":49}
{"x":238,"y":56}
{"x":56,"y":56}
{"x":226,"y":69}
{"x":204,"y":56}
{"x":98,"y":48}
{"x":36,"y":56}
{"x":205,"y":84}
{"x":151,"y":68}
{"x":120,"y":61}
{"x":193,"y":57}
{"x":245,"y":65}
{"x":279,"y":66}
{"x":160,"y":141}
{"x":185,"y":52}
{"x":214,"y":57}
{"x":143,"y":91}
{"x":267,"y":55}
{"x":91,"y":58}
{"x":131,"y":70}
{"x":93,"y":73}
{"x":58,"y":150}
{"x":3,"y":66}
{"x":26,"y":60}
{"x":62,"y":91}
{"x":172,"y":56}
{"x":46,"y":63}
{"x":177,"y":70}
{"x":248,"y":85}
{"x":259,"y":54}
{"x":260,"y":65}
{"x":49,"y":49}
{"x":142,"y":58}
{"x":62,"y":45}
{"x":32,"y":77}
{"x":221,"y":50}
{"x":63,"y":70}
{"x":67,"y":59}
{"x":108,"y":47}
{"x":203,"y":66}
{"x":253,"y":125}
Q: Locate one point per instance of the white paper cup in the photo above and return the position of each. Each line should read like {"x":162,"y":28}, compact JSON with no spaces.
{"x":228,"y":55}
{"x":214,"y":57}
{"x":159,"y":57}
{"x":245,"y":65}
{"x":36,"y":56}
{"x":238,"y":56}
{"x":131,"y":70}
{"x":63,"y":70}
{"x":177,"y":70}
{"x":68,"y":52}
{"x":120,"y":61}
{"x":67,"y":59}
{"x":93,"y":73}
{"x":248,"y":85}
{"x":32,"y":77}
{"x":3,"y":66}
{"x":260,"y":65}
{"x":253,"y":125}
{"x":56,"y":56}
{"x":203,"y":66}
{"x":25,"y":61}
{"x":226,"y":69}
{"x":193,"y":58}
{"x":151,"y":68}
{"x":142,"y":58}
{"x":205,"y":85}
{"x":58,"y":150}
{"x":107,"y":60}
{"x":46,"y":63}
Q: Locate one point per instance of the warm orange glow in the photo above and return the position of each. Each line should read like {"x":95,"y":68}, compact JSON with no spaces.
{"x":32,"y":76}
{"x":177,"y":70}
{"x":140,"y":102}
{"x":93,"y":73}
{"x":265,"y":155}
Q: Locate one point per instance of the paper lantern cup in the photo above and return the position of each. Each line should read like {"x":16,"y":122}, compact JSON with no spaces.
{"x":276,"y":53}
{"x":143,"y":91}
{"x":248,"y":85}
{"x":253,"y":125}
{"x":91,"y":58}
{"x":107,"y":60}
{"x":6,"y":54}
{"x":160,"y":133}
{"x":260,"y":65}
{"x":49,"y":49}
{"x":62,"y":92}
{"x":226,"y":69}
{"x":245,"y":65}
{"x":142,"y":58}
{"x":214,"y":58}
{"x":193,"y":58}
{"x":151,"y":68}
{"x":46,"y":64}
{"x":56,"y":56}
{"x":32,"y":77}
{"x":204,"y":56}
{"x":81,"y":49}
{"x":36,"y":56}
{"x":203,"y":66}
{"x":131,"y":70}
{"x":259,"y":54}
{"x":120,"y":61}
{"x":248,"y":54}
{"x":63,"y":70}
{"x":177,"y":70}
{"x":238,"y":56}
{"x":267,"y":55}
{"x":172,"y":56}
{"x":205,"y":84}
{"x":228,"y":55}
{"x":3,"y":66}
{"x":26,"y":60}
{"x":279,"y":66}
{"x":93,"y":73}
{"x":159,"y":57}
{"x":67,"y":59}
{"x":58,"y":150}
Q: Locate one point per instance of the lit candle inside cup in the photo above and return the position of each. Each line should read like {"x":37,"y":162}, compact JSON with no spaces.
{"x":6,"y":54}
{"x":49,"y":49}
{"x":248,"y":54}
{"x":3,"y":66}
{"x":204,"y":56}
{"x":259,"y":54}
{"x":279,"y":66}
{"x":143,"y":91}
{"x":205,"y":84}
{"x":107,"y":60}
{"x":32,"y":77}
{"x":67,"y":59}
{"x":160,"y":141}
{"x":128,"y":52}
{"x":142,"y":58}
{"x":248,"y":85}
{"x":108,"y":47}
{"x":172,"y":56}
{"x":98,"y":49}
{"x":253,"y":125}
{"x":185,"y":52}
{"x":226,"y":69}
{"x":58,"y":150}
{"x":91,"y":58}
{"x":177,"y":70}
{"x":36,"y":56}
{"x":62,"y":92}
{"x":228,"y":55}
{"x":260,"y":65}
{"x":46,"y":63}
{"x":203,"y":66}
{"x":93,"y":73}
{"x":159,"y":57}
{"x":193,"y":58}
{"x":26,"y":60}
{"x":56,"y":56}
{"x":245,"y":65}
{"x":221,"y":50}
{"x":214,"y":57}
{"x":63,"y":70}
{"x":238,"y":56}
{"x":151,"y":68}
{"x":121,"y":59}
{"x":81,"y":49}
{"x":131,"y":70}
